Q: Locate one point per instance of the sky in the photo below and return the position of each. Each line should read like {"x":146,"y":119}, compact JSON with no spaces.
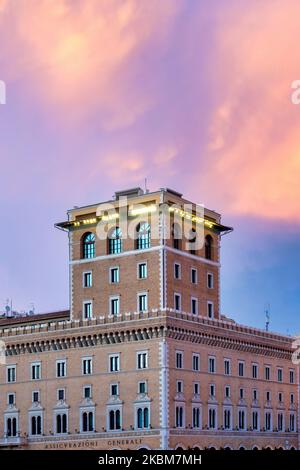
{"x":195,"y":96}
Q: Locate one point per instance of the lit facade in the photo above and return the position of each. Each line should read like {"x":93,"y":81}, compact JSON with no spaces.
{"x":144,"y":358}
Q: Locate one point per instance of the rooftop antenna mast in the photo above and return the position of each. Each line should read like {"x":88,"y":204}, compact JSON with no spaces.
{"x":267,"y":314}
{"x":146,"y":189}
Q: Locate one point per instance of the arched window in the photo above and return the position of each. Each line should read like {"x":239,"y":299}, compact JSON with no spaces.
{"x":61,"y":423}
{"x":143,"y":418}
{"x":176,"y":236}
{"x":143,"y":240}
{"x":208,"y":247}
{"x":118,"y":419}
{"x":114,"y":419}
{"x":111,"y":420}
{"x":11,"y":427}
{"x":88,"y":245}
{"x":115,"y":241}
{"x":140,"y":418}
{"x":192,"y":241}
{"x":146,"y":417}
{"x":84,"y":422}
{"x":87,"y":421}
{"x":91,"y":421}
{"x":36,"y":425}
{"x":58,"y":424}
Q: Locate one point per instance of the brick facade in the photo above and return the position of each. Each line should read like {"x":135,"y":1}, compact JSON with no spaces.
{"x":170,"y":362}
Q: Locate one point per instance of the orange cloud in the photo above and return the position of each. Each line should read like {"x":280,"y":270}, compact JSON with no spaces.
{"x":254,"y":142}
{"x":81,"y":57}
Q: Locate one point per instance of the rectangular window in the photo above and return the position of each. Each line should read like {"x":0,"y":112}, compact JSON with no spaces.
{"x":211,"y":365}
{"x":227,"y":391}
{"x":196,"y":388}
{"x":61,"y":394}
{"x":87,"y":391}
{"x":87,"y":279}
{"x":254,"y":371}
{"x":142,"y":270}
{"x":196,"y":362}
{"x":210,"y":280}
{"x":267,"y":373}
{"x":87,"y":366}
{"x":241,"y":368}
{"x":242,"y":394}
{"x":254,"y":394}
{"x":11,"y":374}
{"x":114,"y":306}
{"x":268,"y":396}
{"x":142,"y":302}
{"x":36,"y":371}
{"x":177,"y":302}
{"x":87,"y":310}
{"x":35,"y":397}
{"x":114,"y":390}
{"x":142,"y":360}
{"x":279,"y":375}
{"x":212,"y":390}
{"x":61,"y":368}
{"x":210,"y":309}
{"x":179,"y":386}
{"x":177,"y":271}
{"x":280,"y":397}
{"x":194,"y":276}
{"x":292,"y":376}
{"x":114,"y":275}
{"x":11,"y":398}
{"x":179,"y":360}
{"x":114,"y":363}
{"x":227,"y":368}
{"x":194,"y":306}
{"x":292,"y":398}
{"x":142,"y":388}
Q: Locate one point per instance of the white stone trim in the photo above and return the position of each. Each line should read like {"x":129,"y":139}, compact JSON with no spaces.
{"x":164,"y":395}
{"x":116,"y":255}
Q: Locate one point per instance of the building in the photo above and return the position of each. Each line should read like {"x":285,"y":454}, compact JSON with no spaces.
{"x":144,"y":358}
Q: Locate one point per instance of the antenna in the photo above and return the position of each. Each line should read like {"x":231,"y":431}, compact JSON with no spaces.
{"x":268,"y":315}
{"x":146,"y":189}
